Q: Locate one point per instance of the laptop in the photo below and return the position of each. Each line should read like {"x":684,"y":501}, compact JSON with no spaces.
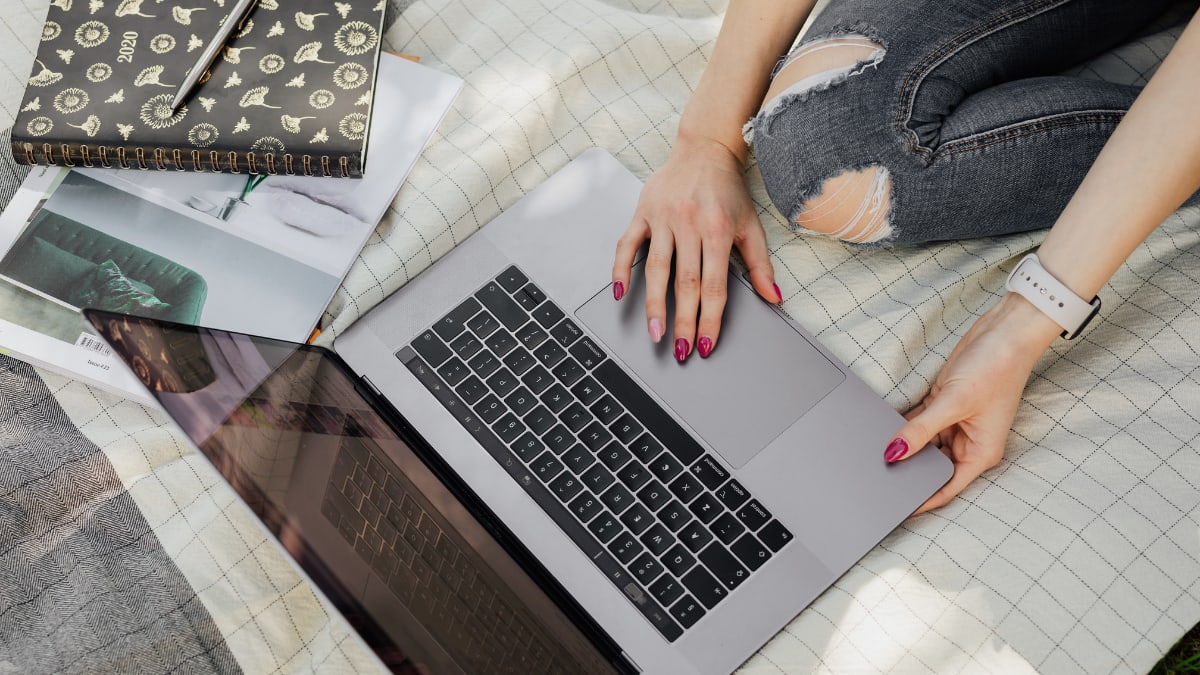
{"x":495,"y":470}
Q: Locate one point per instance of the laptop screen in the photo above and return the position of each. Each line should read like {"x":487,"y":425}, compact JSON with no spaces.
{"x":373,"y":518}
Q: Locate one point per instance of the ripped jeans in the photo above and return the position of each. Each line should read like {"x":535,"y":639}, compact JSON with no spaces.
{"x":899,"y":122}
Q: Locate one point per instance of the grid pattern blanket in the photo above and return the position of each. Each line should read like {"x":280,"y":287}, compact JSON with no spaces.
{"x":121,"y":551}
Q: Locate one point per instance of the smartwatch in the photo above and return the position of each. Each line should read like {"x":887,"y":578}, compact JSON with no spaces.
{"x":1048,"y":294}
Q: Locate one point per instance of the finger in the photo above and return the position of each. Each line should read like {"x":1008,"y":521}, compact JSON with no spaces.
{"x":713,"y":294}
{"x":627,"y":248}
{"x":936,"y":414}
{"x":687,"y":294}
{"x":752,"y":244}
{"x":658,"y":275}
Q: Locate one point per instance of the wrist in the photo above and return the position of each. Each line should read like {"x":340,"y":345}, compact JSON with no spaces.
{"x":1028,"y":328}
{"x":708,"y":143}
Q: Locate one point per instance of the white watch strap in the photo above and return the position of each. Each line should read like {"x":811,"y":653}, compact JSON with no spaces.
{"x":1049,"y":295}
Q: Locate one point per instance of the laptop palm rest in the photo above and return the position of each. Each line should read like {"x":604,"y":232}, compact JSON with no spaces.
{"x":762,"y":364}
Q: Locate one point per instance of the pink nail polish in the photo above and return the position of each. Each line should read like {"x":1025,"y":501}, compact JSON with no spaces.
{"x":618,"y":290}
{"x":895,"y":450}
{"x":656,"y":330}
{"x":778,"y":293}
{"x":681,"y":349}
{"x":704,"y":345}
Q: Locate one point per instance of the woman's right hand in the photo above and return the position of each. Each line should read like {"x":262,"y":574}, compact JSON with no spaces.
{"x":695,"y":208}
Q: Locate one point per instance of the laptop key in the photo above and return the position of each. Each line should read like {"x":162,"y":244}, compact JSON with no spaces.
{"x":534,"y":293}
{"x":585,"y":507}
{"x":568,"y":371}
{"x":666,"y":467}
{"x":695,"y":536}
{"x":466,"y":345}
{"x":502,"y":382}
{"x":548,"y":314}
{"x":654,"y":495}
{"x":732,"y":495}
{"x":706,"y":507}
{"x":637,"y":518}
{"x":614,"y":456}
{"x":588,"y":354}
{"x":452,"y":324}
{"x":750,"y":551}
{"x":471,"y":389}
{"x":675,"y":515}
{"x":547,"y":467}
{"x":575,"y":416}
{"x":617,"y":498}
{"x":490,"y":408}
{"x":604,"y":527}
{"x":658,"y":539}
{"x":566,"y":332}
{"x":687,"y":612}
{"x":678,"y":560}
{"x":509,"y":428}
{"x":528,"y":446}
{"x":666,"y":589}
{"x":512,"y":279}
{"x":558,"y":439}
{"x":483,"y":325}
{"x":453,"y":371}
{"x":484,"y":364}
{"x":501,"y":342}
{"x":607,"y":410}
{"x":645,"y":448}
{"x":519,"y":360}
{"x":646,"y":569}
{"x":723,"y":565}
{"x":500,"y":304}
{"x":598,"y":478}
{"x":540,"y":419}
{"x":532,"y":336}
{"x":565,"y":487}
{"x":537,"y":379}
{"x":431,"y":348}
{"x":625,"y":548}
{"x":521,"y":401}
{"x":549,"y":353}
{"x":686,"y":488}
{"x":754,"y":515}
{"x":709,"y":472}
{"x":775,"y":535}
{"x":556,"y":398}
{"x":587,"y":390}
{"x":727,"y":528}
{"x":633,"y":475}
{"x":595,"y":436}
{"x":579,"y":459}
{"x":626,"y":428}
{"x":707,"y":589}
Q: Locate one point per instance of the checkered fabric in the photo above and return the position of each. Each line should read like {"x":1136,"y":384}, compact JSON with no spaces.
{"x":1079,"y":553}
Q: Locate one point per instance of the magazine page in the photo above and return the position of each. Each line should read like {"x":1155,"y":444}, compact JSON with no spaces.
{"x":253,"y":254}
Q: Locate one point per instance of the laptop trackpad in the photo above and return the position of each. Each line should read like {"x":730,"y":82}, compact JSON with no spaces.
{"x":760,"y":379}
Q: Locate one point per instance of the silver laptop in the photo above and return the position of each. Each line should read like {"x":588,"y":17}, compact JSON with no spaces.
{"x":495,"y":470}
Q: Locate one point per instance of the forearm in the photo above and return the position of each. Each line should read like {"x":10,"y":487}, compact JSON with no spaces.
{"x":754,"y":35}
{"x":1147,"y":169}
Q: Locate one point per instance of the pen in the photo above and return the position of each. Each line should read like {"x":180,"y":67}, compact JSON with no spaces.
{"x":237,"y":16}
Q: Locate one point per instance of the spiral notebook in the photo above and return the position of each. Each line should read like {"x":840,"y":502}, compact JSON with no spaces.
{"x":290,"y":93}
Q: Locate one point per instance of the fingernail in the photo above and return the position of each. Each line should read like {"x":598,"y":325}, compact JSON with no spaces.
{"x":778,"y":293}
{"x":681,"y":349}
{"x":618,"y":290}
{"x":895,"y":450}
{"x":656,"y":330}
{"x":704,"y":346}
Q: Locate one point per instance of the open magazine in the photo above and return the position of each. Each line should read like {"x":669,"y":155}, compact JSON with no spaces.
{"x":254,"y":254}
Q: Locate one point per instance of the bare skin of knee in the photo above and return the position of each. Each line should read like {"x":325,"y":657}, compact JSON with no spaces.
{"x":852,"y":206}
{"x":822,"y":57}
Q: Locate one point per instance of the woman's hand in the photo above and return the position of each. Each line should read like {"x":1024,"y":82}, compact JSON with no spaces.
{"x":696,"y":207}
{"x":971,"y":405}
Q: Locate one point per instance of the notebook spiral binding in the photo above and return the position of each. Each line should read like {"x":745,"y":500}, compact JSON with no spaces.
{"x":163,"y":159}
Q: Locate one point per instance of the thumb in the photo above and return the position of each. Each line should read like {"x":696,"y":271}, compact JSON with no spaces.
{"x":931,"y":418}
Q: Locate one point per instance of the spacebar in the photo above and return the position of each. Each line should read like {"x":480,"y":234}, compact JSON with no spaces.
{"x":648,"y":412}
{"x":617,"y":574}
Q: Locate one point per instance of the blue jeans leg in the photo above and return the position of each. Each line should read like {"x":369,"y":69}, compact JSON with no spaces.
{"x":961,"y":110}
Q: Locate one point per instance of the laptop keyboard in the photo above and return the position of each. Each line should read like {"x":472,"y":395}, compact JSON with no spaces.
{"x":425,"y":563}
{"x":656,"y":513}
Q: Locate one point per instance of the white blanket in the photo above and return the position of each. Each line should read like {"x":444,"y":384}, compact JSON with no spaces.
{"x":1079,"y":553}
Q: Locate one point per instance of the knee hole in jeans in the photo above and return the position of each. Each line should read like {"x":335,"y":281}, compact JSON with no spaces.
{"x":852,"y":206}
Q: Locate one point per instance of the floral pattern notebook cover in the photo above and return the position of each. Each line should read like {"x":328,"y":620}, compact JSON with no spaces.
{"x":291,"y":91}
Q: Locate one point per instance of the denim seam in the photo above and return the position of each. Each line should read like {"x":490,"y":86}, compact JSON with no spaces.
{"x":917,"y":75}
{"x":1025,"y":129}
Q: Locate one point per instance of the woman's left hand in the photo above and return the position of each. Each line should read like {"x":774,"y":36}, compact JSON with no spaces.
{"x":970,"y":407}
